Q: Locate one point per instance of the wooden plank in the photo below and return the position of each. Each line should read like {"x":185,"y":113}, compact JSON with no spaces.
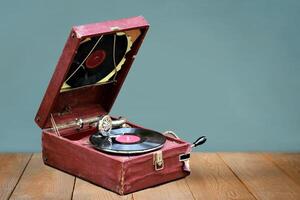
{"x":42,"y":182}
{"x":288,"y":162}
{"x":173,"y":190}
{"x":88,"y":191}
{"x":261,"y":176}
{"x":212,"y":179}
{"x":11,"y":168}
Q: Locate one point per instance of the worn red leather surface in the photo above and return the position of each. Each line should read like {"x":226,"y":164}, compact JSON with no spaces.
{"x":72,"y":153}
{"x":97,"y":99}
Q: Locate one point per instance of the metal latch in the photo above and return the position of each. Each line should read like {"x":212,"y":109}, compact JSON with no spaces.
{"x":158,"y":160}
{"x":184,"y":157}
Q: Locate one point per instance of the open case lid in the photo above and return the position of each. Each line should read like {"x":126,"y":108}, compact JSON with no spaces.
{"x":91,"y":70}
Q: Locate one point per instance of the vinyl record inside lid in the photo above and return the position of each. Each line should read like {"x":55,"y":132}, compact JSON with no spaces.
{"x":99,"y":59}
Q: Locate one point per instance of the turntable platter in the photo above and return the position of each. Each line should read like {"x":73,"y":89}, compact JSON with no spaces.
{"x":128,"y":141}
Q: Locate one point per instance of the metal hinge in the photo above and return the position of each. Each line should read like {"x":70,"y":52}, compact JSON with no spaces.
{"x":158,"y":160}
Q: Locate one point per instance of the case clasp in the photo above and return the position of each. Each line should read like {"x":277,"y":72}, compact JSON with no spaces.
{"x":185,"y":158}
{"x":158,"y":160}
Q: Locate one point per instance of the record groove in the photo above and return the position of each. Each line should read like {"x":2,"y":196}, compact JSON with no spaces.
{"x":149,"y":141}
{"x":100,"y":62}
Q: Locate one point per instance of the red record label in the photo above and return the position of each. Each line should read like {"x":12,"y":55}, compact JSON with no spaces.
{"x":128,"y":139}
{"x":95,"y":59}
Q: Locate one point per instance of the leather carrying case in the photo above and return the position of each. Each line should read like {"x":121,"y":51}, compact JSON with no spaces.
{"x":70,"y":150}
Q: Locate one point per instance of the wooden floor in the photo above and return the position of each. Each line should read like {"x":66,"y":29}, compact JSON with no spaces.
{"x":214,"y":176}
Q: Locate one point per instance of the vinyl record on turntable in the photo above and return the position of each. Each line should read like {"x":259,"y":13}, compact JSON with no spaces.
{"x":129,"y":141}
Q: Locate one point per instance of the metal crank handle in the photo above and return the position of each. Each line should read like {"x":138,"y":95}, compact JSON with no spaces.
{"x":201,"y":140}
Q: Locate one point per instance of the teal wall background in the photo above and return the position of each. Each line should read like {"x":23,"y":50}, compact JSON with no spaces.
{"x":226,"y":69}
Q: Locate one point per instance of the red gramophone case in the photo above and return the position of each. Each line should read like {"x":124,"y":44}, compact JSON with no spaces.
{"x":70,"y":150}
